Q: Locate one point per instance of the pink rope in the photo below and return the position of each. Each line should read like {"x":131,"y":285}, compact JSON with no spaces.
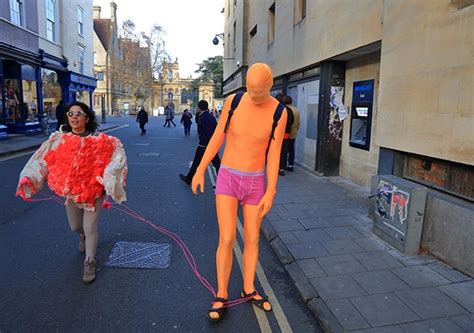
{"x":182,"y":245}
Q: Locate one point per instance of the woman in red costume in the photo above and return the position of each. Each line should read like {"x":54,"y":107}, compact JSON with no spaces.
{"x":242,"y":179}
{"x":82,"y":166}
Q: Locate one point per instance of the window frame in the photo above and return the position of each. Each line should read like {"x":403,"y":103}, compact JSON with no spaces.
{"x":299,"y":11}
{"x":17,"y":12}
{"x":271,"y":24}
{"x":80,"y":58}
{"x":80,"y":20}
{"x":50,"y":20}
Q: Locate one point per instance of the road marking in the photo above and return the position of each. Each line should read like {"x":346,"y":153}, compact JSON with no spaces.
{"x":267,"y":288}
{"x":115,"y":128}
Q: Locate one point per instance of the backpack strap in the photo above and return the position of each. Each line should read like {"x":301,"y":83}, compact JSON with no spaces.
{"x":276,"y":117}
{"x":233,"y":106}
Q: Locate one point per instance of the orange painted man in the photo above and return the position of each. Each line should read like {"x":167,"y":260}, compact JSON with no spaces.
{"x":252,"y":151}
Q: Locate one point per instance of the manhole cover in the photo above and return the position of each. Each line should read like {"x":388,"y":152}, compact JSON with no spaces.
{"x":139,"y":255}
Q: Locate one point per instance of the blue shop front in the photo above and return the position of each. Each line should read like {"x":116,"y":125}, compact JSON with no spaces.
{"x":32,"y":86}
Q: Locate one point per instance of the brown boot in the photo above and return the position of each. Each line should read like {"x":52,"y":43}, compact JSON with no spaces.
{"x":82,"y":243}
{"x":89,"y":270}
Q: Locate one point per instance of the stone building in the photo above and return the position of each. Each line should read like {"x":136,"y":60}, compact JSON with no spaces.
{"x":383,"y":87}
{"x":45,"y":56}
{"x":171,"y":88}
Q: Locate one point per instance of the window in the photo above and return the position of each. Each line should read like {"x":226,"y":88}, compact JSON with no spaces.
{"x":361,"y":114}
{"x":253,"y":32}
{"x":99,"y":76}
{"x":16,"y":11}
{"x":300,"y":11}
{"x":80,"y":21}
{"x":80,"y":58}
{"x":271,"y":24}
{"x":50,"y":20}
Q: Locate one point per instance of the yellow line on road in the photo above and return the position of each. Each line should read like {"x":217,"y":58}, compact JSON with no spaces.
{"x":267,"y":288}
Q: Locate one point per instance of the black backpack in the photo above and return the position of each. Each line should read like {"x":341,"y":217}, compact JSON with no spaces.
{"x":276,"y":116}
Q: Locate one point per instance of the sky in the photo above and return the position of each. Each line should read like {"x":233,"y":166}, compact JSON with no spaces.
{"x":190,"y":26}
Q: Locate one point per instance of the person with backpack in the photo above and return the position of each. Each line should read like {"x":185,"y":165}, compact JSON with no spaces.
{"x":206,"y":126}
{"x":288,"y":101}
{"x":253,"y":126}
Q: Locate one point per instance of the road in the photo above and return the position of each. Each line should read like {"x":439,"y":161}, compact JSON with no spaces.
{"x":40,"y":272}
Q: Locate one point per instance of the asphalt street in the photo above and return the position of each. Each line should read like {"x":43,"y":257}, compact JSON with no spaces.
{"x":40,"y":272}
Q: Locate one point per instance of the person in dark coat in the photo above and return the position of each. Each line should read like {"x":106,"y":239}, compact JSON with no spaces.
{"x":186,"y":121}
{"x":206,"y":124}
{"x":60,"y":114}
{"x":142,"y":119}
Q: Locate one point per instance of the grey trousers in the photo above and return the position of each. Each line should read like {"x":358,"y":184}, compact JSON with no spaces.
{"x":85,"y":222}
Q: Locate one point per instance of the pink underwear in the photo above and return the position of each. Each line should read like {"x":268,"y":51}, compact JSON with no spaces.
{"x":247,"y":187}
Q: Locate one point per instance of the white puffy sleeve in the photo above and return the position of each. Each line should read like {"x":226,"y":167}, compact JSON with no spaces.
{"x":115,"y":174}
{"x":35,"y":172}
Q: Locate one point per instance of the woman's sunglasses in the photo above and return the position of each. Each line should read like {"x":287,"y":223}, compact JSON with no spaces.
{"x":71,"y":114}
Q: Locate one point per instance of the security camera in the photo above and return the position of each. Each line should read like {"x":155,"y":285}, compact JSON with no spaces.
{"x":215,"y":41}
{"x":238,"y":63}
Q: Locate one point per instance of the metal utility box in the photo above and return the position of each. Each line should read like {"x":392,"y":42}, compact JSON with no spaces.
{"x":397,"y":207}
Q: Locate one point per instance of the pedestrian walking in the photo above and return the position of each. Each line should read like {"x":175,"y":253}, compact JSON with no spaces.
{"x":186,"y":121}
{"x":206,"y":126}
{"x":142,"y":119}
{"x":288,"y":101}
{"x":60,"y":114}
{"x":252,"y":147}
{"x":81,"y":165}
{"x":284,"y":146}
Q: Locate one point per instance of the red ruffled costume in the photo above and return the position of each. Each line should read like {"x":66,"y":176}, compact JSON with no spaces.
{"x":75,"y":165}
{"x":78,"y":168}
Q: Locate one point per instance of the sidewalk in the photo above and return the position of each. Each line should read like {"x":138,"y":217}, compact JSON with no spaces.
{"x":21,"y":143}
{"x":348,"y":277}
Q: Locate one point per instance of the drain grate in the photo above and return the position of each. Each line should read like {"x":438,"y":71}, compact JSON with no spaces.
{"x":139,"y":255}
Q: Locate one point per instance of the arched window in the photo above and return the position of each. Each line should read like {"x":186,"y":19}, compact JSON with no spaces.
{"x":170,"y":95}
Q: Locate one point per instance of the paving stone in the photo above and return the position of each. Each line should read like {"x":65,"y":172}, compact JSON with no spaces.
{"x":342,"y":246}
{"x":294,"y":214}
{"x":307,"y":250}
{"x":312,"y":235}
{"x":301,"y":282}
{"x":272,"y":216}
{"x":347,"y":314}
{"x":340,"y":264}
{"x":287,"y":225}
{"x":376,"y":260}
{"x":382,"y":329}
{"x":377,"y":282}
{"x":343,"y":233}
{"x":371,"y":244}
{"x":430,"y":303}
{"x":336,"y":287}
{"x":328,"y":222}
{"x":466,"y":322}
{"x":288,"y":237}
{"x":440,"y":325}
{"x":311,"y":268}
{"x":448,"y":272}
{"x":462,"y":292}
{"x":321,"y":213}
{"x":420,"y":276}
{"x":412,"y":260}
{"x":384,"y":309}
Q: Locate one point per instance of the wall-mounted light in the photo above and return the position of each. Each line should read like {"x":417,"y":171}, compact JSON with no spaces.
{"x":215,"y":41}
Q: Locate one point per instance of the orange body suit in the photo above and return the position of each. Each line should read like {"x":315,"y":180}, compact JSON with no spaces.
{"x":247,"y":140}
